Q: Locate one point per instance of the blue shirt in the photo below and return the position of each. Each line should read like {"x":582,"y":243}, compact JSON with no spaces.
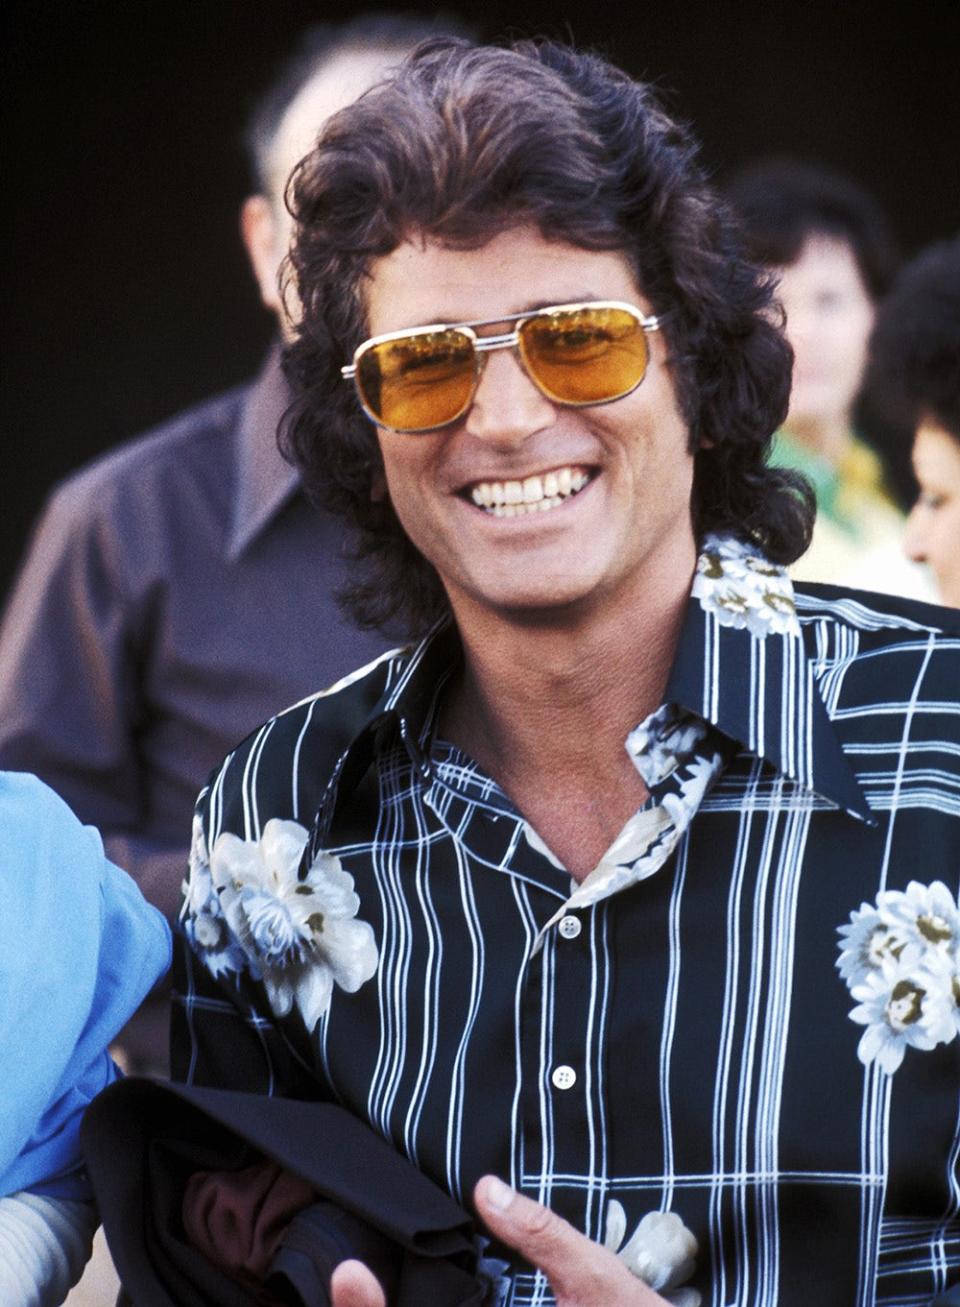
{"x":81,"y":948}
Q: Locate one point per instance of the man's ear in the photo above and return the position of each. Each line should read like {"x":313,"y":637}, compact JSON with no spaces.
{"x":258,"y":227}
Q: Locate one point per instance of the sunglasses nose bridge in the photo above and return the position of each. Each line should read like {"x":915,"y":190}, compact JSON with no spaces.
{"x":507,"y":405}
{"x":484,"y":345}
{"x":487,"y":344}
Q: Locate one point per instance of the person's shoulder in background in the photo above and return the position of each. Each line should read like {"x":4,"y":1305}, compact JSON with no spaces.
{"x":836,"y":559}
{"x":192,"y":447}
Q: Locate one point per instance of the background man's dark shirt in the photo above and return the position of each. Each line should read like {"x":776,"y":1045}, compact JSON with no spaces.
{"x":176,"y":592}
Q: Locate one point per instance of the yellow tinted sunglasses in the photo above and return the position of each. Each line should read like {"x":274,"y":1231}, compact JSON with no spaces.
{"x":575,"y":354}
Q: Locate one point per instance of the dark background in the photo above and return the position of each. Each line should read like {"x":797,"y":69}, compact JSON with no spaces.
{"x":126,"y":289}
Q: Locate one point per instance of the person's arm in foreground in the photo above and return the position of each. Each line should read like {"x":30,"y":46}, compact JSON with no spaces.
{"x":67,"y":993}
{"x":44,"y":1245}
{"x":581,"y":1273}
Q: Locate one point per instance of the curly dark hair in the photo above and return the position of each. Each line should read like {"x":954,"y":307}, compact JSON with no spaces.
{"x":913,"y":366}
{"x":462,"y":143}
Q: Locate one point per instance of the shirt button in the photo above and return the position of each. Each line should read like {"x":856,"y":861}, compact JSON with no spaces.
{"x":570,"y":927}
{"x":564,"y":1077}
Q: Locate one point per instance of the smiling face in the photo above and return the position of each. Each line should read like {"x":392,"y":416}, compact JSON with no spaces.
{"x":525,"y":505}
{"x":933,"y":528}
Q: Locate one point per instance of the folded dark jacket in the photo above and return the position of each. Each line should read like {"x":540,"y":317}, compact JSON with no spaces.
{"x":147,"y":1144}
{"x":238,"y":1218}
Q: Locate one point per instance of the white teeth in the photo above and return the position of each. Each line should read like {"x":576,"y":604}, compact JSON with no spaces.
{"x":549,"y":490}
{"x":515,"y":510}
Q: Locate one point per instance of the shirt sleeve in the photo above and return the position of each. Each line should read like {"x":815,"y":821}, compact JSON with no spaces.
{"x":158,"y":868}
{"x":69,"y":708}
{"x":223,"y":1035}
{"x":44,"y":1245}
{"x":80,"y":950}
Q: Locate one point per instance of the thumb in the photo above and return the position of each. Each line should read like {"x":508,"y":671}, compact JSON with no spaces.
{"x":579,"y":1270}
{"x":354,"y":1285}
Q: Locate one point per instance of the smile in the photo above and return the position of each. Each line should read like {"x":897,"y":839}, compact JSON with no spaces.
{"x":533,"y":494}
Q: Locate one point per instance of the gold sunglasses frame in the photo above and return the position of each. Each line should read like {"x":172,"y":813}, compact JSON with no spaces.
{"x":484,"y":344}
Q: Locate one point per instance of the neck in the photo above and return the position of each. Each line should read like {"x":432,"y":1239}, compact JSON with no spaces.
{"x":558,"y":692}
{"x":828,"y":437}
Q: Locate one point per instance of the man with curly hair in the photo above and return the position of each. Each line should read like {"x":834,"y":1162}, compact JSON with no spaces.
{"x":549,"y":898}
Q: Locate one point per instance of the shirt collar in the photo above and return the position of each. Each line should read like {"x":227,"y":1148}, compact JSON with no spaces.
{"x":265,"y":480}
{"x":740,"y":664}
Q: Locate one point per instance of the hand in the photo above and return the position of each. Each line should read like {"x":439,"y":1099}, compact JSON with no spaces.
{"x":353,"y":1285}
{"x":581,"y":1273}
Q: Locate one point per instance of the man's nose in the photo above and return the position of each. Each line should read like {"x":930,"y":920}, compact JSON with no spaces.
{"x":507,"y":406}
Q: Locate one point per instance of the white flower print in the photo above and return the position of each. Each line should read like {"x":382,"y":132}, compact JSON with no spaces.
{"x":661,"y":1251}
{"x":701,"y":771}
{"x":866,"y":943}
{"x":944,"y":970}
{"x":901,"y":962}
{"x":668,"y":736}
{"x":902,"y":1008}
{"x":298,"y":936}
{"x":926,"y":916}
{"x":204,"y":923}
{"x":743,"y":589}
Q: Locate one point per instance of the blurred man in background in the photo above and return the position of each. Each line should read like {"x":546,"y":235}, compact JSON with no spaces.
{"x":182,"y":588}
{"x":833,"y":252}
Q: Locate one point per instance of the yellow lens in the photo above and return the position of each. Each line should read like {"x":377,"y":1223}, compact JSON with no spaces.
{"x":585,"y":356}
{"x":420,"y":381}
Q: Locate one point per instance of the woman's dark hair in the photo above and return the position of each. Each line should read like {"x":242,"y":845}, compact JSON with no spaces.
{"x":913,"y":367}
{"x":781,"y":203}
{"x":464,"y":142}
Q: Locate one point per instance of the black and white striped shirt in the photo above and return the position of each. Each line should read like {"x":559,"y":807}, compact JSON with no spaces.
{"x":674,"y":1032}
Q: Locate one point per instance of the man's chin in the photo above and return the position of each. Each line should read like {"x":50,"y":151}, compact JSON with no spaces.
{"x":541,"y":603}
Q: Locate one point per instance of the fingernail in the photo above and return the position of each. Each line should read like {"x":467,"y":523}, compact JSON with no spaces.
{"x":499,"y":1196}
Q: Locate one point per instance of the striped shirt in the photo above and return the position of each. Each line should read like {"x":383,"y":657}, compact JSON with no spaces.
{"x":370,"y":919}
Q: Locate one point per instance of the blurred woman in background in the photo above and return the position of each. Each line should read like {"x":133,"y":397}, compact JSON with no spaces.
{"x":914,"y":367}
